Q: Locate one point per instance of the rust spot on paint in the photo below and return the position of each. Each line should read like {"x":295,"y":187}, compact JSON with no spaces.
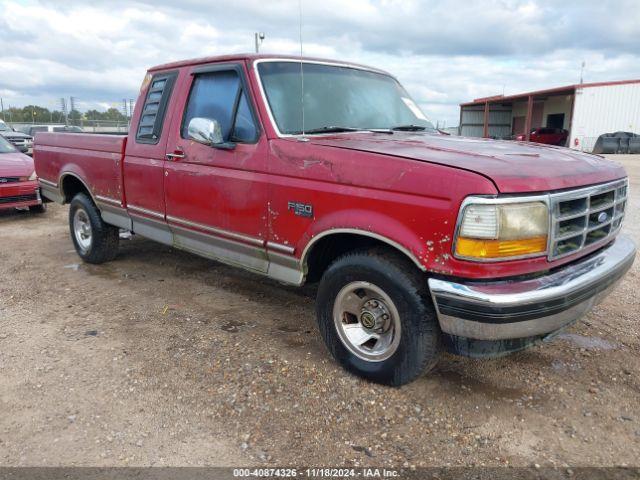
{"x":302,"y":163}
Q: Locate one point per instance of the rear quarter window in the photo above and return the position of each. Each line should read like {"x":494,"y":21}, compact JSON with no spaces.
{"x":154,"y":108}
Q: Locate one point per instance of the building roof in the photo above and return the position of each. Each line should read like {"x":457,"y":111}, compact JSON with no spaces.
{"x":566,"y":90}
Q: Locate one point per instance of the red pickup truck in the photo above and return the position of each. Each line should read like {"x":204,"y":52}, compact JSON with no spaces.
{"x":307,"y":170}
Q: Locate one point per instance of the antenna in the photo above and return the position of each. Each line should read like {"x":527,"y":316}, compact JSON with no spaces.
{"x":301,"y":70}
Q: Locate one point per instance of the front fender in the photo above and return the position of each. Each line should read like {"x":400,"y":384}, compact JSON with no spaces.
{"x":370,"y":224}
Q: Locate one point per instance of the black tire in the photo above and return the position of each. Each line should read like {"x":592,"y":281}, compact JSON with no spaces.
{"x":419,"y":345}
{"x":104,"y":238}
{"x":38,"y":208}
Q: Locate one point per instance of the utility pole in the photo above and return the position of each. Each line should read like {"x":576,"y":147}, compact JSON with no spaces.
{"x":2,"y":108}
{"x":582,"y":71}
{"x":259,"y":38}
{"x":72,"y":108}
{"x":63,"y":108}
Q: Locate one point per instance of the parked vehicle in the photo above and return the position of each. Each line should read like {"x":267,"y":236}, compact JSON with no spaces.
{"x":22,"y":141}
{"x":546,"y":135}
{"x":18,"y":182}
{"x":58,"y":128}
{"x":419,"y":241}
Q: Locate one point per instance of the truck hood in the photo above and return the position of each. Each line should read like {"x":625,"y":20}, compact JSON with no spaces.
{"x":514,"y":167}
{"x":15,"y":164}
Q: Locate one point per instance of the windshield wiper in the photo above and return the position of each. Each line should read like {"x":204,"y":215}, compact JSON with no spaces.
{"x":328,"y":129}
{"x":409,"y":128}
{"x":338,"y":129}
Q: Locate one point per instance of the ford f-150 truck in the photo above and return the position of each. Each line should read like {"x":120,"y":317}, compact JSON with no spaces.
{"x":307,"y":170}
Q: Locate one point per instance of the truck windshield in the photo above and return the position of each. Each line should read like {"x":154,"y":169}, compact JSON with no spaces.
{"x":5,"y":146}
{"x":337,"y":98}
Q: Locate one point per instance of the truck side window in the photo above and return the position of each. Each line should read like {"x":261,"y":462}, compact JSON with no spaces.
{"x":155,"y":106}
{"x":245,"y":128}
{"x":220,"y":96}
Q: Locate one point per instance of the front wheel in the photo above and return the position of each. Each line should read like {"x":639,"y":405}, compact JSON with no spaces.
{"x":95,"y":241}
{"x":376,"y":317}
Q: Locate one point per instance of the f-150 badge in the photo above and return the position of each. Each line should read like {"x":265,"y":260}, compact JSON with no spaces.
{"x":300,"y":209}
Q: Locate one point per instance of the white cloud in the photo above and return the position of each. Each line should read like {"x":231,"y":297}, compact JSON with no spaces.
{"x":444,"y":52}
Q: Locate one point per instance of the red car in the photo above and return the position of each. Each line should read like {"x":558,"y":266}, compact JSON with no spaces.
{"x":419,"y":241}
{"x":18,"y":181}
{"x":546,"y":135}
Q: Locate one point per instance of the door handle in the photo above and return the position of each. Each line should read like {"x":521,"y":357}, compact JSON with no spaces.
{"x":175,"y":155}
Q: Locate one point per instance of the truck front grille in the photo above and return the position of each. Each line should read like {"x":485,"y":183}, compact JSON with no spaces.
{"x":585,"y":217}
{"x":9,"y":180}
{"x":19,"y":198}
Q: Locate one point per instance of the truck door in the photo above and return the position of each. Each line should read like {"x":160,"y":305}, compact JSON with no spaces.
{"x":216,"y":195}
{"x":143,"y":168}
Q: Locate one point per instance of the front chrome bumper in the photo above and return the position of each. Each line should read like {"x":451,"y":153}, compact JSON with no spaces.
{"x":501,"y":310}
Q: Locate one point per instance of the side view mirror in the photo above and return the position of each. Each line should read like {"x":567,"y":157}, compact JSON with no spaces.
{"x":208,"y":132}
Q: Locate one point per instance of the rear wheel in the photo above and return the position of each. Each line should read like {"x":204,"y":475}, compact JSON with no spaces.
{"x":95,"y":241}
{"x":376,"y":317}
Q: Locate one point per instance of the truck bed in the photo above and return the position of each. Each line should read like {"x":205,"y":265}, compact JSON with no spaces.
{"x":95,"y":159}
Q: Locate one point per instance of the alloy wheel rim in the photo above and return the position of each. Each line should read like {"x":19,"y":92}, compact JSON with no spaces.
{"x":82,"y":229}
{"x":367,"y":321}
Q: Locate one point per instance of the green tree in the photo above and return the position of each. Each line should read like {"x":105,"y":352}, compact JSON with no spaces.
{"x":75,"y":117}
{"x":38,"y":114}
{"x":93,"y":115}
{"x":114,"y":114}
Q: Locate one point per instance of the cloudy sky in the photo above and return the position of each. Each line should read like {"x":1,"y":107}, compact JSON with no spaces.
{"x":445,"y":52}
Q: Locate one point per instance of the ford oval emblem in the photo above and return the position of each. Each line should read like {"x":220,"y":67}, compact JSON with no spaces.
{"x":602,"y":217}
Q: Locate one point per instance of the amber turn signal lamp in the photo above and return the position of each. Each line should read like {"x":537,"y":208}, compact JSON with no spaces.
{"x":478,"y":248}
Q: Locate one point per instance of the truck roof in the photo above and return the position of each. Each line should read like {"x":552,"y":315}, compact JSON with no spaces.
{"x":254,"y":56}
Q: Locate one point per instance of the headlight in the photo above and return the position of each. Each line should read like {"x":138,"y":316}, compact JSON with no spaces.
{"x":33,"y":176}
{"x":496,"y":231}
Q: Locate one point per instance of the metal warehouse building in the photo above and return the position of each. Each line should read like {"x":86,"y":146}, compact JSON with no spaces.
{"x":586,"y":110}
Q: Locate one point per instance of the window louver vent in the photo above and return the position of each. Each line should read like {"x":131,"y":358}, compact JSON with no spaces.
{"x":155,"y":105}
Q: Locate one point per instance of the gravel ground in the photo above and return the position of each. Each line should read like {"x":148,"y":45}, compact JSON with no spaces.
{"x":164,"y":358}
